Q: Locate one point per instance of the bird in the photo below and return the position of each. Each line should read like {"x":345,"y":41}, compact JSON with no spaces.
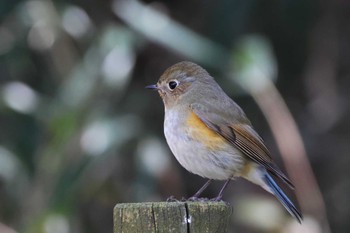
{"x":210,"y":135}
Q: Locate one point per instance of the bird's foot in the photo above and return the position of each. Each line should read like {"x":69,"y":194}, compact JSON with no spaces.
{"x":217,"y":199}
{"x":172,"y":199}
{"x":201,"y":199}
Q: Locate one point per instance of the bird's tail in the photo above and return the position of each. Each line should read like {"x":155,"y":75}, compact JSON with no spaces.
{"x":282,"y":197}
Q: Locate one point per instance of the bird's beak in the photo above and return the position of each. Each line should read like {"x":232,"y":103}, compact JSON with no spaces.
{"x":153,"y":87}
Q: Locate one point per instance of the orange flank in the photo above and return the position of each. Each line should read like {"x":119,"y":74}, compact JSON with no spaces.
{"x":199,"y":131}
{"x":248,"y":168}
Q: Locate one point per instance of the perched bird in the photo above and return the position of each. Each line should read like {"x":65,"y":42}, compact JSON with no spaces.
{"x":210,"y":135}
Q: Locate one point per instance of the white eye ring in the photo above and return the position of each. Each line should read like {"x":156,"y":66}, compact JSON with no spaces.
{"x":173,"y":84}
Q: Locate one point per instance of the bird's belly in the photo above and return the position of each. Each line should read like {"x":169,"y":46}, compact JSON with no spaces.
{"x":203,"y":153}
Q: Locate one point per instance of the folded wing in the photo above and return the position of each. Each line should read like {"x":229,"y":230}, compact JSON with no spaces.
{"x":243,"y":137}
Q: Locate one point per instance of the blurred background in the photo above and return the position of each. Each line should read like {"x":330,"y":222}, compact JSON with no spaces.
{"x":79,"y":133}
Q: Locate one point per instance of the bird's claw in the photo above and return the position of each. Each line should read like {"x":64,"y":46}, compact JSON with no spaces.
{"x":201,"y":199}
{"x":172,"y":199}
{"x":216,"y":199}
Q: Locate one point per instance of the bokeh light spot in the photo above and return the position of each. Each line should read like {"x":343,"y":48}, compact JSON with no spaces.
{"x":20,"y":97}
{"x":117,"y":66}
{"x":41,"y":36}
{"x":8,"y":164}
{"x":76,"y":22}
{"x":153,"y":156}
{"x":96,"y":138}
{"x":56,"y":224}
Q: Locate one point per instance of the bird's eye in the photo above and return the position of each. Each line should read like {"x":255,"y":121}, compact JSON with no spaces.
{"x":173,"y":85}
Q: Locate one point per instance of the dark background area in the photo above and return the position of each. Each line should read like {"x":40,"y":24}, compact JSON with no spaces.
{"x":79,"y":133}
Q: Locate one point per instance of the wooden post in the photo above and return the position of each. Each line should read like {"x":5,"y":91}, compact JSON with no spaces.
{"x":186,"y":217}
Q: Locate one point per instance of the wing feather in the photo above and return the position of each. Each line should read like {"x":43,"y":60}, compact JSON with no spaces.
{"x":243,"y":137}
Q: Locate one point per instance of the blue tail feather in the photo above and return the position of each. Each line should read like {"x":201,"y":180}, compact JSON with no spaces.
{"x":282,"y":197}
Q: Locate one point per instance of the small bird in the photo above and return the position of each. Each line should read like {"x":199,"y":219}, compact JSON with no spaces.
{"x":210,"y":135}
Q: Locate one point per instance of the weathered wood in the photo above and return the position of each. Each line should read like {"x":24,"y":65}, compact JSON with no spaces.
{"x":211,"y":217}
{"x":186,"y":217}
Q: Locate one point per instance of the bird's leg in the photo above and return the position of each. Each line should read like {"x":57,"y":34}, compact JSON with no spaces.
{"x":219,"y":196}
{"x":196,"y":195}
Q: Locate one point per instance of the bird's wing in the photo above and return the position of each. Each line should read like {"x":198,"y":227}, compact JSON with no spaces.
{"x":241,"y":136}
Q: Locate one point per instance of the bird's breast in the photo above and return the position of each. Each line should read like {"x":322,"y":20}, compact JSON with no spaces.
{"x":187,"y":127}
{"x":198,"y":148}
